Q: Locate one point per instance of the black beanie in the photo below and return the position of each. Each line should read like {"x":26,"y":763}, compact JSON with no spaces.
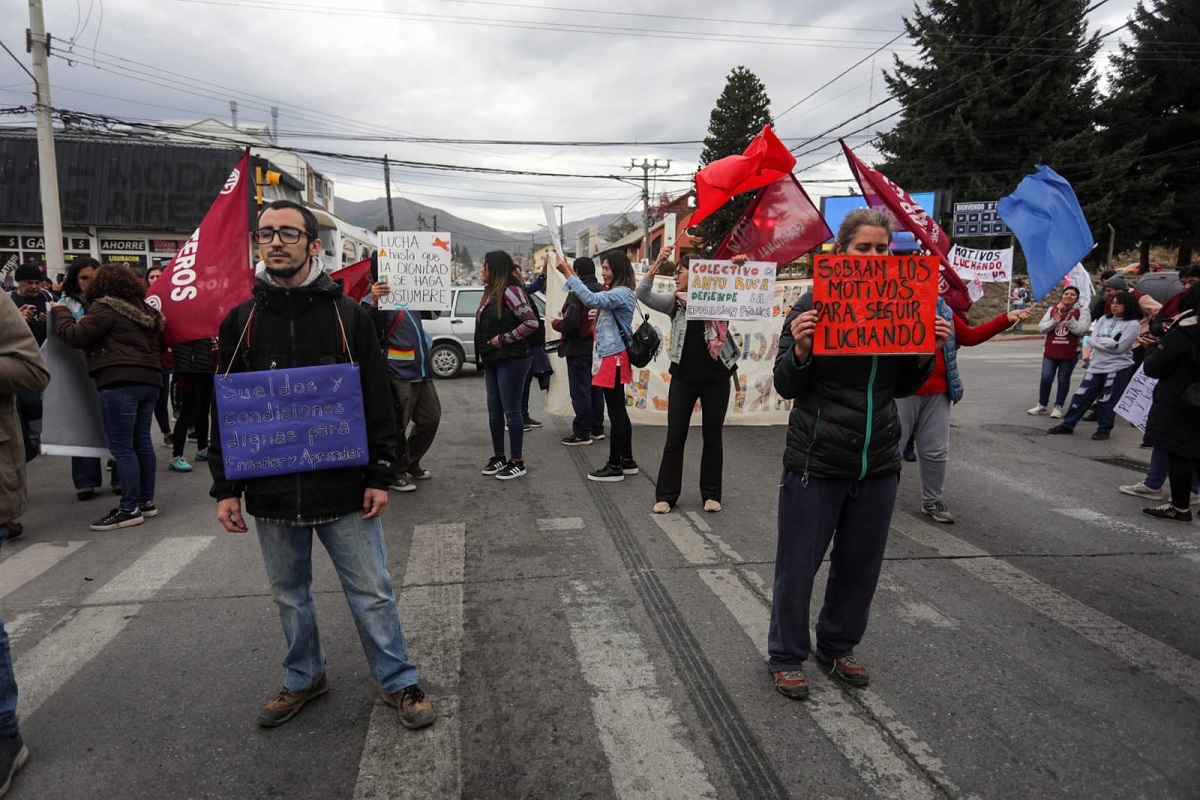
{"x":29,"y":272}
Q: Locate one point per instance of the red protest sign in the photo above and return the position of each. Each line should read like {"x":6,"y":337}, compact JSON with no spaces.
{"x":875,"y":305}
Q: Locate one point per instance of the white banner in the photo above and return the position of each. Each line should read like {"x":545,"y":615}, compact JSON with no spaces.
{"x":70,"y":404}
{"x":755,"y":403}
{"x":1134,"y":404}
{"x":416,"y":266}
{"x":552,"y":226}
{"x":992,"y":266}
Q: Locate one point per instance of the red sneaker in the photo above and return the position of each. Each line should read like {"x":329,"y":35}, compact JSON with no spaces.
{"x":846,"y":669}
{"x":791,"y":683}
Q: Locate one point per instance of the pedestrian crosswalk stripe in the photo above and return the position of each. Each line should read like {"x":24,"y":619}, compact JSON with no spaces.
{"x":860,"y":742}
{"x":1116,"y":637}
{"x":561,"y":524}
{"x":396,"y":763}
{"x":640,"y":732}
{"x":694,"y":548}
{"x":27,"y":563}
{"x":147,"y":576}
{"x":105,"y":613}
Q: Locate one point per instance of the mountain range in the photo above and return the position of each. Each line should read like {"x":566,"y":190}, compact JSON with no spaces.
{"x":476,"y":237}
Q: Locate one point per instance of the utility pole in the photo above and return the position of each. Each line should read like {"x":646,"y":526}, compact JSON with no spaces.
{"x":387,"y":182}
{"x":646,"y":167}
{"x":39,"y":47}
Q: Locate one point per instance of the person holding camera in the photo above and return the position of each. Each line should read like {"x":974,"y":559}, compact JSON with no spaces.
{"x":611,"y":368}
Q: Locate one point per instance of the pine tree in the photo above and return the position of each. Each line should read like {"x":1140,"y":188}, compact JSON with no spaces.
{"x":1154,"y":105}
{"x":999,"y":86}
{"x":740,"y":114}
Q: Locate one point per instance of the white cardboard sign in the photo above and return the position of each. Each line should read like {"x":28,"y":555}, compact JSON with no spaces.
{"x":416,"y":266}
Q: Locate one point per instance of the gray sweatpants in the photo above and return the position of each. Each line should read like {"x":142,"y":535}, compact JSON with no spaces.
{"x":929,"y":417}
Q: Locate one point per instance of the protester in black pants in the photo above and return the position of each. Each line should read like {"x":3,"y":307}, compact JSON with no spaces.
{"x":577,"y":334}
{"x":703,"y":359}
{"x":841,"y":471}
{"x":194,"y":375}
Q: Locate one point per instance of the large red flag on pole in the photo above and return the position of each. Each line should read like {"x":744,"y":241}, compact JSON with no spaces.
{"x":211,"y":273}
{"x":765,"y":160}
{"x":356,"y":279}
{"x":780,"y":225}
{"x":881,"y":193}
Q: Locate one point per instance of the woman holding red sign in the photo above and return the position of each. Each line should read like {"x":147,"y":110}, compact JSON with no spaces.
{"x":841,"y":472}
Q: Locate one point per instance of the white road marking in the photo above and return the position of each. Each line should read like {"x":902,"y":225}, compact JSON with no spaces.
{"x":1116,"y":637}
{"x":397,"y":763}
{"x":859,"y":741}
{"x":1127,"y":528}
{"x":85,"y":632}
{"x":561,"y":524}
{"x":148,"y":575}
{"x":694,"y":548}
{"x":27,"y":563}
{"x":639,"y":730}
{"x":914,"y":612}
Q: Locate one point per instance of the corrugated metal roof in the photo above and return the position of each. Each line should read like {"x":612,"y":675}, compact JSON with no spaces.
{"x":114,"y":183}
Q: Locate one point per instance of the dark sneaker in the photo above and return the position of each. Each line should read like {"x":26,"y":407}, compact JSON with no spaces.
{"x":118,"y":519}
{"x":513,"y":469}
{"x":86,"y":493}
{"x":494,"y":465}
{"x":287,"y":704}
{"x":574,"y":441}
{"x":1168,"y":511}
{"x":910,"y":454}
{"x":939,"y":512}
{"x":629,"y":467}
{"x":791,"y":683}
{"x":148,"y":510}
{"x":15,"y":530}
{"x":401,"y":485}
{"x":1100,"y":436}
{"x":607,"y":474}
{"x":13,"y":755}
{"x":1060,"y":428}
{"x":1089,"y":416}
{"x":597,"y":435}
{"x":846,"y":669}
{"x":416,"y":711}
{"x":532,"y":423}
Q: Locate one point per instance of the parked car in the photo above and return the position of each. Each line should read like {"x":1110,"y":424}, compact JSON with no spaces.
{"x":453,"y":333}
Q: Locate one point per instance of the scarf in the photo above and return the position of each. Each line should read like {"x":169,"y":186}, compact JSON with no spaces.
{"x":715,"y":331}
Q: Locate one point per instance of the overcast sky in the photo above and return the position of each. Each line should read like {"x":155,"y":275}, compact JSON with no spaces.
{"x":482,"y":69}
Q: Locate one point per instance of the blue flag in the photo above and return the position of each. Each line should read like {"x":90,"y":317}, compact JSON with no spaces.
{"x":1044,"y":214}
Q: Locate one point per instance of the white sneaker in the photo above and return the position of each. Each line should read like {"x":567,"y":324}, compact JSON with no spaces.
{"x":1056,"y":413}
{"x":1142,"y":490}
{"x":1037,"y":410}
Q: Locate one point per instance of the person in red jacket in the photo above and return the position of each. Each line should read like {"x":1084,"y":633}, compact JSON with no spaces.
{"x":926,"y":414}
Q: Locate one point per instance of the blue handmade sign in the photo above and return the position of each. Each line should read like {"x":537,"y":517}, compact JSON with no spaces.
{"x":284,"y":421}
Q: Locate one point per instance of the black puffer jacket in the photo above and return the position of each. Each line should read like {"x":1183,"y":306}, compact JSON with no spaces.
{"x":123,"y":340}
{"x":843,"y":424}
{"x":1175,"y":362}
{"x":299,"y":328}
{"x":194,"y":356}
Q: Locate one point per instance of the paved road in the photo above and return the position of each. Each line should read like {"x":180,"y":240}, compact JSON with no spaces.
{"x":578,"y":646}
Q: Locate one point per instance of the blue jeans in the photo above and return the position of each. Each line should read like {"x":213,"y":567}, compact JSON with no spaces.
{"x":1062,"y":367}
{"x":1108,"y":387}
{"x":505,"y":382}
{"x":126,"y":413}
{"x":586,"y":400}
{"x":8,"y":681}
{"x":355,"y":546}
{"x":1156,"y":476}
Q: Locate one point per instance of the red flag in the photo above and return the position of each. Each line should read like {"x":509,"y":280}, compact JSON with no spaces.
{"x":356,"y":279}
{"x":780,"y":225}
{"x":211,"y":273}
{"x":764,"y":161}
{"x":881,"y":193}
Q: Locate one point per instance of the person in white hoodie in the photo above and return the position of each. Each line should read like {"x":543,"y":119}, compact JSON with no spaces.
{"x":1112,"y":340}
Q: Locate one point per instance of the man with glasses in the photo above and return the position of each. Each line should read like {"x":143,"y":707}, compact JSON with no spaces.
{"x":297,"y":319}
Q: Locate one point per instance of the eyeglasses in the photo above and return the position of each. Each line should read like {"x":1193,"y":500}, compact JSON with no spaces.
{"x":286,"y":235}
